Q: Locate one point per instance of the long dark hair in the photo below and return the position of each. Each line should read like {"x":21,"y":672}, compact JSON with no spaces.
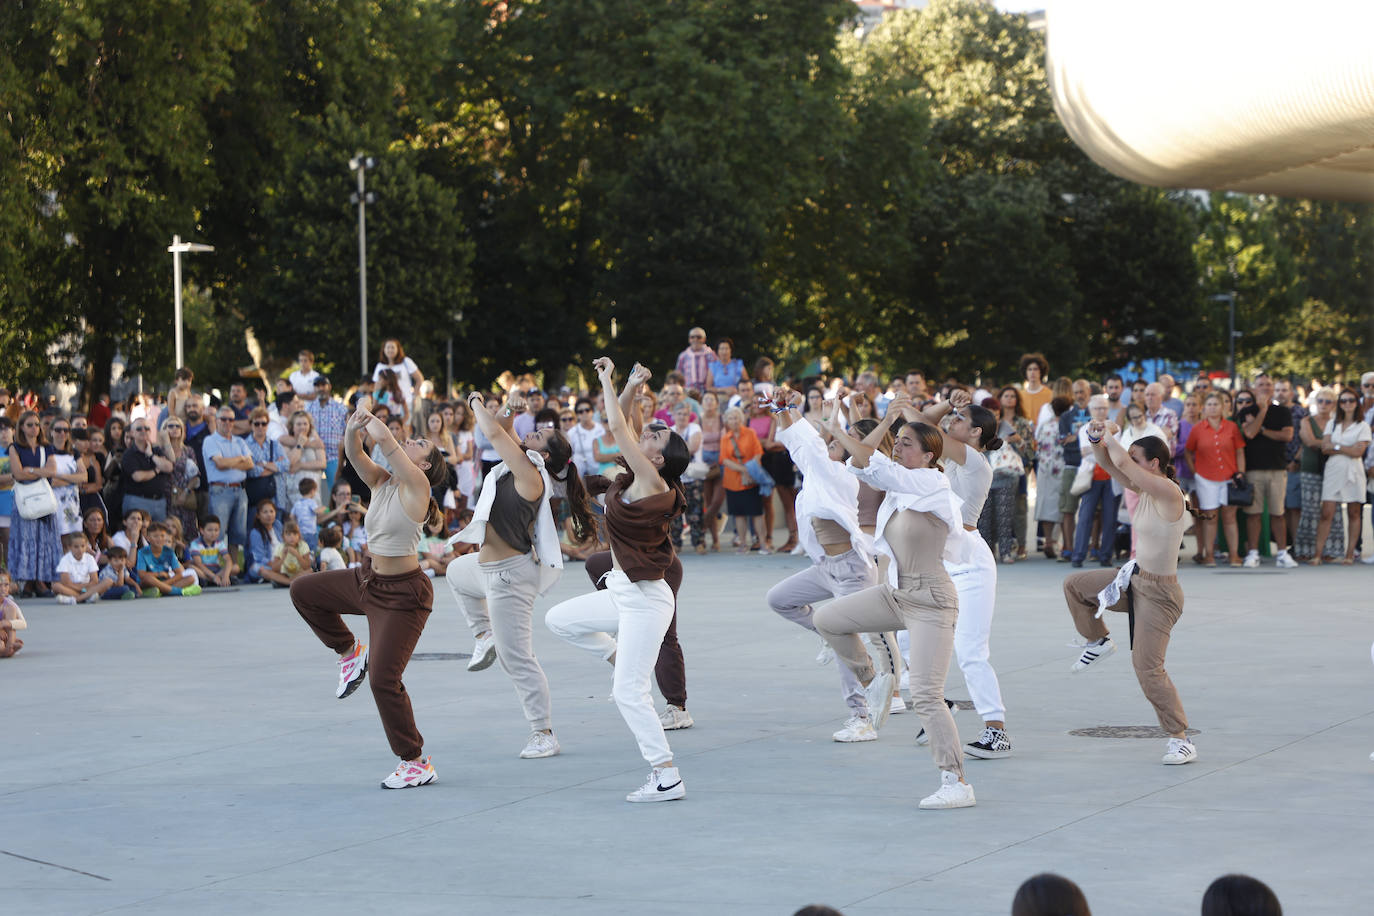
{"x":437,"y":475}
{"x":21,"y":439}
{"x":256,"y":523}
{"x":1240,"y":895}
{"x":1049,"y":894}
{"x":562,"y":469}
{"x":1354,"y":411}
{"x":676,"y":457}
{"x":985,"y":421}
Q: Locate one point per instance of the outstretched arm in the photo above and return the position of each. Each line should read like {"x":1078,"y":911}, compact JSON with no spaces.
{"x":645,"y":470}
{"x":528,"y":481}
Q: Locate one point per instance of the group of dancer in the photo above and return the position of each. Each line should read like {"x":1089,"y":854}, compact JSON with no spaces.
{"x":887,"y":515}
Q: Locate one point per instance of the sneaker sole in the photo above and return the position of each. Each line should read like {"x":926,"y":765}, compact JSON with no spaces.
{"x":1109,"y":653}
{"x":673,"y":795}
{"x":433,"y":777}
{"x":355,"y":683}
{"x":483,"y":663}
{"x":677,"y":726}
{"x":947,"y":806}
{"x":838,"y":740}
{"x":983,"y":753}
{"x":1178,"y":763}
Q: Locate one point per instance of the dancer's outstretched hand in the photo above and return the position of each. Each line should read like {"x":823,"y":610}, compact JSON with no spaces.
{"x":639,"y":375}
{"x":604,"y":366}
{"x":959,"y":399}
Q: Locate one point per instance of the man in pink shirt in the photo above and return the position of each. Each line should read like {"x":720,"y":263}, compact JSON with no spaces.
{"x":695,"y":362}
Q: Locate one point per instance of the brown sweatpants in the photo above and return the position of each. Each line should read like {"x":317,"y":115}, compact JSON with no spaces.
{"x":1158,"y":605}
{"x":396,"y":608}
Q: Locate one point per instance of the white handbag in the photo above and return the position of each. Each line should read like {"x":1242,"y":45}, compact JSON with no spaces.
{"x":1083,"y":480}
{"x":34,"y":498}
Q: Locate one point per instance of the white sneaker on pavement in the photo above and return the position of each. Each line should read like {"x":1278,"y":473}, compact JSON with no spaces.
{"x":675,"y":717}
{"x":66,"y":599}
{"x":1251,"y":560}
{"x":541,"y":744}
{"x":664,"y":784}
{"x":411,"y":774}
{"x":483,"y":653}
{"x":856,"y":728}
{"x":951,"y":794}
{"x":1285,"y":560}
{"x":1180,"y":751}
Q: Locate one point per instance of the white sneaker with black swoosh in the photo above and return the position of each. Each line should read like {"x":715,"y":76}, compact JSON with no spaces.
{"x":664,"y":784}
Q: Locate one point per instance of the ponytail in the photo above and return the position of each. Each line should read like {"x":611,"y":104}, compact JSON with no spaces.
{"x":579,"y":504}
{"x":985,"y":421}
{"x":1156,"y":449}
{"x":434,"y":515}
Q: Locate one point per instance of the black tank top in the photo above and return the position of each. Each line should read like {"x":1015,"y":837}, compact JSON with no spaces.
{"x":512,"y":516}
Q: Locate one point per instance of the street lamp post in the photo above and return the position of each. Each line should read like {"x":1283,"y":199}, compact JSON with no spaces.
{"x":176,"y":248}
{"x":360,"y":164}
{"x":1231,"y":333}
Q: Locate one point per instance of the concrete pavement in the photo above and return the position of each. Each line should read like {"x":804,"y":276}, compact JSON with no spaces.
{"x":188,"y":756}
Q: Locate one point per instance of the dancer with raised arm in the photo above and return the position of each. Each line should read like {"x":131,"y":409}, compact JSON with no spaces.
{"x":841,"y":553}
{"x":920,"y":528}
{"x":973,"y":431}
{"x":1146,"y":587}
{"x":637,"y":605}
{"x":519,"y":559}
{"x":389,"y":587}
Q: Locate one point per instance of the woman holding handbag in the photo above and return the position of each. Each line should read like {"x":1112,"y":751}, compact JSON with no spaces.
{"x":66,"y":483}
{"x":268,"y":461}
{"x":1216,"y":454}
{"x":183,"y":499}
{"x":738,"y":446}
{"x":1344,"y":440}
{"x":35,"y":545}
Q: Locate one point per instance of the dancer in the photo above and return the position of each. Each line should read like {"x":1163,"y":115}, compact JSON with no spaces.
{"x":919,"y":524}
{"x":840,"y":552}
{"x":519,"y":559}
{"x":389,"y":587}
{"x":1146,"y":587}
{"x":973,"y":431}
{"x":637,"y":604}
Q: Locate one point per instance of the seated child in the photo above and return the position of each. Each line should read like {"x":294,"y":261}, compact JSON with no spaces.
{"x":433,"y":549}
{"x":330,"y":557}
{"x":123,"y":583}
{"x":78,"y":576}
{"x":355,"y":531}
{"x":461,"y":547}
{"x":159,"y":571}
{"x":210,"y":556}
{"x":307,"y":511}
{"x":11,"y":619}
{"x":290,"y":559}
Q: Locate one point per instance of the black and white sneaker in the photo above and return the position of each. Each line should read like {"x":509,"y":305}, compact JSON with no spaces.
{"x":664,"y":784}
{"x":993,"y":745}
{"x":1093,"y":652}
{"x":921,"y":737}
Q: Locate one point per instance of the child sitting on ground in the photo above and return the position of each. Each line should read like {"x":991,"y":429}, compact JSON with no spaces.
{"x":355,"y":531}
{"x":123,"y":583}
{"x":461,"y":547}
{"x":133,"y":536}
{"x":159,"y":571}
{"x":210,"y":556}
{"x":307,"y":511}
{"x":290,"y":558}
{"x":330,"y":557}
{"x":433,"y":549}
{"x":78,"y":576}
{"x":11,"y":619}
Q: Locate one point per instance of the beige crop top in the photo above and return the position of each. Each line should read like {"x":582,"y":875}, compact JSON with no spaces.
{"x":829,"y":532}
{"x":390,"y":532}
{"x":1157,"y":538}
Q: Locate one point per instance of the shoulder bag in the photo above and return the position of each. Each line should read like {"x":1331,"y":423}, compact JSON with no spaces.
{"x":34,"y":498}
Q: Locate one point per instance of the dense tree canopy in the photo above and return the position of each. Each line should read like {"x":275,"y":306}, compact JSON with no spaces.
{"x":548,"y":172}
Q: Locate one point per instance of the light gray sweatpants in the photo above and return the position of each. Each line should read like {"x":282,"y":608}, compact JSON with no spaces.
{"x":500,"y":597}
{"x":832,"y":577}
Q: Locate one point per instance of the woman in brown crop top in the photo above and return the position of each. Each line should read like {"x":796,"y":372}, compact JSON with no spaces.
{"x":390,"y":588}
{"x":1150,"y":591}
{"x":519,"y":558}
{"x":637,"y":605}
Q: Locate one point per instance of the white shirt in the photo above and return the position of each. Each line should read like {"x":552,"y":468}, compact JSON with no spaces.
{"x":79,"y":571}
{"x":918,"y":490}
{"x":828,"y":491}
{"x":330,"y":558}
{"x":582,"y":441}
{"x":304,"y":382}
{"x":404,"y":370}
{"x":970,"y":481}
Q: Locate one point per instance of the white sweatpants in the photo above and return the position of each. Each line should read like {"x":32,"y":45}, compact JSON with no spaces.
{"x":976,"y":583}
{"x":639,"y":614}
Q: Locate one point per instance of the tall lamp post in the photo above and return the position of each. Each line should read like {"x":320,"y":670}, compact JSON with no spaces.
{"x":360,"y":163}
{"x":176,"y":248}
{"x":1231,"y":333}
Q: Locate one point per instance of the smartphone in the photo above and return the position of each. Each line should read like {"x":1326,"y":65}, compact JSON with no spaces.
{"x":355,"y":498}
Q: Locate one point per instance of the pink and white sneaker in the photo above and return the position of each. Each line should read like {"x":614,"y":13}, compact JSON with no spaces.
{"x":352,"y":670}
{"x":411,"y":773}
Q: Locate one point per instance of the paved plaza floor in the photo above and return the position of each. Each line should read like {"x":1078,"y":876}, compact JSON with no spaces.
{"x":188,"y":757}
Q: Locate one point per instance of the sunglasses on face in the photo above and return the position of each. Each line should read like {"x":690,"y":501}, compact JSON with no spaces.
{"x":260,"y":423}
{"x":1325,"y":401}
{"x":1347,"y":400}
{"x":61,"y":429}
{"x":582,"y":410}
{"x":1244,"y":401}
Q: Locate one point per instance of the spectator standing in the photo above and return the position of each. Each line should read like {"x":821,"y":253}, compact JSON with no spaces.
{"x":1049,"y":469}
{"x":1017,"y":432}
{"x":303,"y":379}
{"x":726,"y":372}
{"x":1035,"y":394}
{"x":1071,"y":421}
{"x":1190,"y":417}
{"x":738,"y":446}
{"x":1158,"y":414}
{"x":6,"y":488}
{"x":238,"y":402}
{"x":712,"y":495}
{"x":408,"y":375}
{"x":1112,"y":386}
{"x":116,"y":437}
{"x":147,"y":473}
{"x":1345,"y":438}
{"x":1100,"y":494}
{"x":264,"y":480}
{"x":1268,"y":428}
{"x":582,"y":437}
{"x":330,"y":417}
{"x":1216,"y":454}
{"x":182,"y":498}
{"x":198,"y":426}
{"x":1292,"y":455}
{"x":695,"y":362}
{"x":463,"y":433}
{"x":89,"y":461}
{"x":227,"y":463}
{"x":305,"y":455}
{"x":692,"y":488}
{"x":66,"y":484}
{"x":1168,"y":382}
{"x":35,"y":545}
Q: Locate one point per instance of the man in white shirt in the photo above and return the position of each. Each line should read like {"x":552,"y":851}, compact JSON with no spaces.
{"x":303,"y":379}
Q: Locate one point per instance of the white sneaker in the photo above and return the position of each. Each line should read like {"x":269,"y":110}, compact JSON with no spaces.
{"x":856,"y":728}
{"x":1285,"y":560}
{"x":826,"y":655}
{"x":1094,"y":652}
{"x":1369,"y":560}
{"x":483,"y":653}
{"x":352,"y":670}
{"x":664,"y":784}
{"x":878,"y":696}
{"x":898,"y":706}
{"x":1180,"y":751}
{"x":952,"y":793}
{"x":675,"y":717}
{"x":411,"y":774}
{"x":1251,"y":560}
{"x":541,"y":744}
{"x":66,"y":599}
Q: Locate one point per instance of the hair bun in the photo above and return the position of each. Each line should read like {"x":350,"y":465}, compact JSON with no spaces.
{"x":993,"y":444}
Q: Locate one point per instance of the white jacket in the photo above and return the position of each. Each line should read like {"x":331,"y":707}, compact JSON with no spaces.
{"x":828,"y":491}
{"x":920,"y":490}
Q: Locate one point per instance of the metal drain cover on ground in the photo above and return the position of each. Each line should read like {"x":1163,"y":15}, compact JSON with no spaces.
{"x":439,"y":656}
{"x":1125,"y":731}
